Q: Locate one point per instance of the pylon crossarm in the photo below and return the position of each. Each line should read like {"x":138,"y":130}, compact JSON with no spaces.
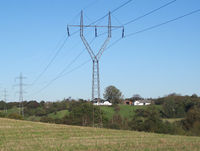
{"x":103,"y":47}
{"x":95,"y":26}
{"x":92,"y":55}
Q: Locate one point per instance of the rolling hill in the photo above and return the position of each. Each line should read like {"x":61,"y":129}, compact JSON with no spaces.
{"x":16,"y":135}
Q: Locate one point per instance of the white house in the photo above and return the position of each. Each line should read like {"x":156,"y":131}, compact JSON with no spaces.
{"x":106,"y":103}
{"x":142,"y":102}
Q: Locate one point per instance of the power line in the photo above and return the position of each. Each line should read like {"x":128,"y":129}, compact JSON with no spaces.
{"x":124,"y":4}
{"x":62,"y":73}
{"x":114,"y":10}
{"x":153,"y":27}
{"x":131,"y":34}
{"x":95,"y":57}
{"x":65,"y":69}
{"x":51,"y":61}
{"x":87,"y":6}
{"x":149,"y":28}
{"x":164,"y":23}
{"x":76,"y":68}
{"x":72,"y":62}
{"x":118,"y":21}
{"x":58,"y":51}
{"x":99,"y":54}
{"x":151,"y":12}
{"x":142,"y":16}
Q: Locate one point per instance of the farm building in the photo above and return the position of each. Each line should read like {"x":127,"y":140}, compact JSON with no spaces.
{"x":137,"y":102}
{"x":142,"y":102}
{"x":128,"y":102}
{"x":106,"y":103}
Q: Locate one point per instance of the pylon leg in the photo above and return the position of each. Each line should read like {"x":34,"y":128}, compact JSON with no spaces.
{"x":95,"y":81}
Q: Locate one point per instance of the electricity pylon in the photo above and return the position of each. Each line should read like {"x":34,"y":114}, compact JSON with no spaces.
{"x":21,"y":92}
{"x":5,"y":100}
{"x":95,"y":57}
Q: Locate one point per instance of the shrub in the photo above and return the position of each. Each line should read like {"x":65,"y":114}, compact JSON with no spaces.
{"x":83,"y":113}
{"x":47,"y":119}
{"x":15,"y":116}
{"x":2,"y":114}
{"x":192,"y":121}
{"x":33,"y":118}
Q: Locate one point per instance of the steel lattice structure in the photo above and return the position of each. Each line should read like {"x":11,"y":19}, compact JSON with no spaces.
{"x":21,"y":91}
{"x":95,"y":57}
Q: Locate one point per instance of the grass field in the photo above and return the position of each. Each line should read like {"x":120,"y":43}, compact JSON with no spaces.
{"x":126,"y":111}
{"x":34,"y":136}
{"x":59,"y":114}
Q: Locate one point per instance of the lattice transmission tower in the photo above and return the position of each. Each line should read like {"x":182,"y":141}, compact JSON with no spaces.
{"x":95,"y":57}
{"x":21,"y":92}
{"x":5,"y":100}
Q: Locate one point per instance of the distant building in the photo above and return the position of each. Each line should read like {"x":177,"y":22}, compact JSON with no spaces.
{"x":106,"y":103}
{"x":137,"y":102}
{"x":128,"y":102}
{"x":142,"y":102}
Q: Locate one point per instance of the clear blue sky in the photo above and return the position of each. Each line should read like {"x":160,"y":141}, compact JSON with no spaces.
{"x":153,"y":63}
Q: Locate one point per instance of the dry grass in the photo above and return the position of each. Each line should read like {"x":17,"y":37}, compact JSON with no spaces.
{"x":33,"y":136}
{"x":172,"y":120}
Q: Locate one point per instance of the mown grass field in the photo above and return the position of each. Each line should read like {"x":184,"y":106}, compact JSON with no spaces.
{"x":18,"y":135}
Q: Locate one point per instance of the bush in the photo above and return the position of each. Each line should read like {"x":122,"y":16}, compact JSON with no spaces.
{"x":46,"y":119}
{"x":83,"y":113}
{"x":149,"y":120}
{"x":2,"y":114}
{"x":116,"y":122}
{"x":33,"y":118}
{"x":15,"y":116}
{"x":192,"y":121}
{"x":137,"y":123}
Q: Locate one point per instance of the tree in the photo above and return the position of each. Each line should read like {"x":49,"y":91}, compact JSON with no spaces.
{"x":113,"y":94}
{"x":15,"y":116}
{"x":84,"y":114}
{"x":2,"y":105}
{"x":136,"y":97}
{"x":193,"y":116}
{"x":194,"y":96}
{"x":149,"y":120}
{"x":32,"y":104}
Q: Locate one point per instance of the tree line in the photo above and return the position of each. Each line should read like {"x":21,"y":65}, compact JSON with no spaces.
{"x":150,"y":118}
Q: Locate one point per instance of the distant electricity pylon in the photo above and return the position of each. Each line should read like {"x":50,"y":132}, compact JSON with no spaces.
{"x":95,"y":57}
{"x":21,"y":92}
{"x":5,"y":100}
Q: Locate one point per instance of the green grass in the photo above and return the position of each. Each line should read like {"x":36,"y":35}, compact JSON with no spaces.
{"x":33,"y":118}
{"x":126,"y":111}
{"x":59,"y":114}
{"x":13,"y":110}
{"x":18,"y":135}
{"x":108,"y":110}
